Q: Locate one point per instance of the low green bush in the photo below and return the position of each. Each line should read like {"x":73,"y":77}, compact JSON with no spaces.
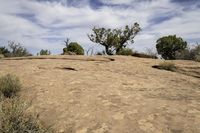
{"x":9,"y":85}
{"x":125,"y":51}
{"x":75,"y":48}
{"x":15,"y":119}
{"x":3,"y":51}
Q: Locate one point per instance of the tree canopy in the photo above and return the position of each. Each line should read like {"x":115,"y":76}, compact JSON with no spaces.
{"x":168,"y":46}
{"x":114,"y":40}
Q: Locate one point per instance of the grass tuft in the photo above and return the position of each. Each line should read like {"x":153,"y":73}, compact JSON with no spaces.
{"x":9,"y":85}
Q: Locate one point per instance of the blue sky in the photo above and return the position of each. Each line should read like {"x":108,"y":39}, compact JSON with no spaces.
{"x":44,"y":24}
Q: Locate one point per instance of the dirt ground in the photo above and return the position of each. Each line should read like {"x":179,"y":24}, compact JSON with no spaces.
{"x":96,"y":95}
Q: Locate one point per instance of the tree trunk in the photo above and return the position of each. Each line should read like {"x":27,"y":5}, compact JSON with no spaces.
{"x":108,"y":52}
{"x":120,"y":48}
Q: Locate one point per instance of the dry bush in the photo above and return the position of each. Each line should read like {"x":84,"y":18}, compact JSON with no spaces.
{"x":9,"y":85}
{"x":1,"y":56}
{"x":15,"y":119}
{"x":170,"y":66}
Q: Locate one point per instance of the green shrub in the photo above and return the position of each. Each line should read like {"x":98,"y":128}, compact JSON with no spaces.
{"x":9,"y":85}
{"x":75,"y":48}
{"x":4,"y":51}
{"x":125,"y":51}
{"x":45,"y":52}
{"x":170,"y":66}
{"x":15,"y":119}
{"x":195,"y":51}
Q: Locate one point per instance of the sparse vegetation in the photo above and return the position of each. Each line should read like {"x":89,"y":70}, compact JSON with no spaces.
{"x":15,"y":50}
{"x":196,"y":52}
{"x":167,"y":46}
{"x":73,"y":47}
{"x":14,"y":117}
{"x":184,"y":55}
{"x":9,"y":85}
{"x":114,"y":40}
{"x":189,"y":53}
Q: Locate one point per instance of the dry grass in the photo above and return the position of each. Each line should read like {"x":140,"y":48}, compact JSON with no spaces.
{"x":63,"y":57}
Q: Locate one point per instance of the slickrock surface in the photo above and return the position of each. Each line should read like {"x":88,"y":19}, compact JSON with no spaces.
{"x":95,"y":95}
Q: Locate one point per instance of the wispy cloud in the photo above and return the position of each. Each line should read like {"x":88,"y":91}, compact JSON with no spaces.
{"x":45,"y":23}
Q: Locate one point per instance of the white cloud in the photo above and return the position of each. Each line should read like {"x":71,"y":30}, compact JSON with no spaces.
{"x":45,"y":24}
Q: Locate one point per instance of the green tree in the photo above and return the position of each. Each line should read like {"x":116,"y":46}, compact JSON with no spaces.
{"x":168,"y":46}
{"x":4,"y":51}
{"x":45,"y":52}
{"x":73,"y":47}
{"x":114,"y":40}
